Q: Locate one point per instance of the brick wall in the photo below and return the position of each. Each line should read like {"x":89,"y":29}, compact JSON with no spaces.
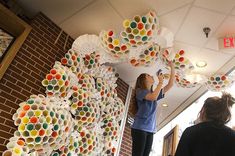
{"x":29,"y":67}
{"x":122,"y":89}
{"x":126,"y":145}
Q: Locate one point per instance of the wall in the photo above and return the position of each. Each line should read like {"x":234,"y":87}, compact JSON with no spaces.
{"x":122,"y":89}
{"x":30,"y":66}
{"x":126,"y":146}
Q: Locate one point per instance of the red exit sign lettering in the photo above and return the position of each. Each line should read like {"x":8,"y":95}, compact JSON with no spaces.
{"x":227,"y":43}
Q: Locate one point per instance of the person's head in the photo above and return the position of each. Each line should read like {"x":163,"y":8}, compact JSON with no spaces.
{"x":217,"y":109}
{"x":144,"y":81}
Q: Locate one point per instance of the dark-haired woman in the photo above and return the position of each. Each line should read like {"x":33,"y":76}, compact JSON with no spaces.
{"x":210,"y":137}
{"x":144,"y":125}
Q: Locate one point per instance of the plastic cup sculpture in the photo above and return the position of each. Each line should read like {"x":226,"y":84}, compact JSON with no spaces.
{"x":166,"y":55}
{"x":110,"y":128}
{"x":145,"y":57}
{"x":113,"y":44}
{"x":56,"y":82}
{"x":114,"y":109}
{"x":219,"y":82}
{"x":109,"y":149}
{"x":16,"y":147}
{"x":140,"y":30}
{"x":87,"y":83}
{"x":86,"y":113}
{"x":91,"y":63}
{"x":65,"y":122}
{"x":181,"y":81}
{"x":73,"y":60}
{"x":41,"y":127}
{"x":102,"y":88}
{"x":71,"y":149}
{"x":181,"y":62}
{"x":88,"y":142}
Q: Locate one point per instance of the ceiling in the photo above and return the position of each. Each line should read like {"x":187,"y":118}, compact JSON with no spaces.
{"x":185,"y":18}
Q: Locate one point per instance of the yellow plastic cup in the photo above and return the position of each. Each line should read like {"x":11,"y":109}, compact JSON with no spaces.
{"x":126,"y":23}
{"x":25,"y":120}
{"x":48,"y":119}
{"x":89,"y":141}
{"x":147,"y":58}
{"x":177,"y":55}
{"x":116,"y":42}
{"x":82,"y":113}
{"x":135,"y":31}
{"x":142,"y":32}
{"x":33,"y":133}
{"x":21,"y":127}
{"x":61,"y":82}
{"x":17,"y":151}
{"x":45,"y":82}
{"x":38,"y":113}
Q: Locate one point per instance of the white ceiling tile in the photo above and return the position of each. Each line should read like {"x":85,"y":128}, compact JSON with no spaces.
{"x":224,"y":6}
{"x":233,"y":12}
{"x":130,"y":8}
{"x":212,"y":44}
{"x":139,"y":7}
{"x":92,"y":20}
{"x":57,"y":10}
{"x":214,"y":59}
{"x":165,"y":6}
{"x":227,"y":28}
{"x":173,"y":20}
{"x":192,"y":29}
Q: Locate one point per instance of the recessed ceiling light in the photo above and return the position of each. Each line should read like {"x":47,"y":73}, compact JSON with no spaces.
{"x":201,"y":64}
{"x":165,"y":105}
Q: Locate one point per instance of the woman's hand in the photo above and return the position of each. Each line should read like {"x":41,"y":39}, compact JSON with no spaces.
{"x":172,"y":77}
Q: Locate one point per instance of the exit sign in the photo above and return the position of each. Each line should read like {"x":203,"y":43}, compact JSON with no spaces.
{"x":227,"y":43}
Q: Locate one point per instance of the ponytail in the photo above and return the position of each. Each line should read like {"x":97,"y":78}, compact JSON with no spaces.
{"x":227,"y":99}
{"x":133,"y":108}
{"x":218,"y":109}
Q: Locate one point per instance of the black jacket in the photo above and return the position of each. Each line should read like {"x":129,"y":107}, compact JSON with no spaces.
{"x":207,"y":139}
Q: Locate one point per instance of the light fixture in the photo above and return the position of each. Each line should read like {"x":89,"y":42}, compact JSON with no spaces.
{"x":201,"y":64}
{"x":165,"y":105}
{"x":206,"y":30}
